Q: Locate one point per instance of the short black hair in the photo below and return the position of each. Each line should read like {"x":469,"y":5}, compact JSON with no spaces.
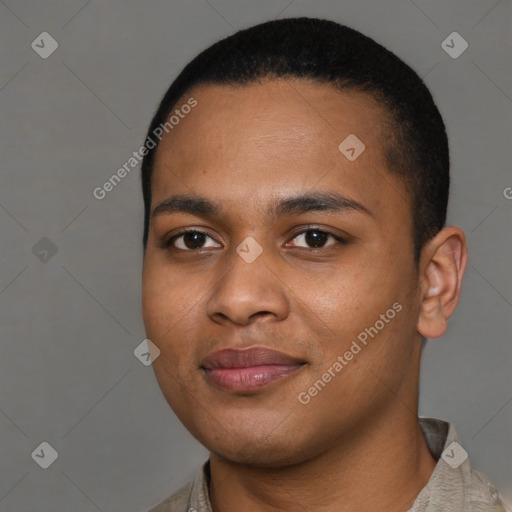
{"x":327,"y":52}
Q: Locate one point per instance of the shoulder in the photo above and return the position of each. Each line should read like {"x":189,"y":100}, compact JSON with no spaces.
{"x":483,"y":494}
{"x":177,"y":502}
{"x":192,"y":497}
{"x":455,"y":484}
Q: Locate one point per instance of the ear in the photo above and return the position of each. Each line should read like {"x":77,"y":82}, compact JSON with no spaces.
{"x":442,"y":265}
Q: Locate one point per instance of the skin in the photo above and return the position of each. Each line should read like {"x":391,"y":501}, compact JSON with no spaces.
{"x":357,"y":444}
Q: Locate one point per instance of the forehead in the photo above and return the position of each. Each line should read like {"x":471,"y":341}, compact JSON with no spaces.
{"x":275,"y":135}
{"x":296,"y":111}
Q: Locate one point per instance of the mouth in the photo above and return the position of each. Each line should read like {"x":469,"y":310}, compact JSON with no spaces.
{"x":244,"y":370}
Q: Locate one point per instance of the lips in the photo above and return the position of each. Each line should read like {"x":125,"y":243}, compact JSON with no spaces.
{"x":249,"y":369}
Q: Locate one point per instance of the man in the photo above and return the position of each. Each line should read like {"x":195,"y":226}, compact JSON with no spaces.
{"x":295,"y":187}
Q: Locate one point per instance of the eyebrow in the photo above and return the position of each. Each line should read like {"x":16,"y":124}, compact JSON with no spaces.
{"x":187,"y":204}
{"x":318,"y":201}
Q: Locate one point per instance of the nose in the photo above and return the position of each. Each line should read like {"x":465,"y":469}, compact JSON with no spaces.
{"x":248,"y":291}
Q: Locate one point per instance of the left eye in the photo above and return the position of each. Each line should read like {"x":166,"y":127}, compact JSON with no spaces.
{"x":315,"y":239}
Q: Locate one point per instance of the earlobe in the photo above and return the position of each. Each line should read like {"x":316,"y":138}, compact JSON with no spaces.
{"x":442,"y":266}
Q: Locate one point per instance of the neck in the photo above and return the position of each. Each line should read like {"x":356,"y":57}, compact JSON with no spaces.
{"x":383,"y":469}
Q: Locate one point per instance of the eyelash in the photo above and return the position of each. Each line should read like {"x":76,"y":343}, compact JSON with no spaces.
{"x":168,"y":243}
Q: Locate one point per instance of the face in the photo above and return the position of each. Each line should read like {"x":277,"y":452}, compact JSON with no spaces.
{"x":283,"y":293}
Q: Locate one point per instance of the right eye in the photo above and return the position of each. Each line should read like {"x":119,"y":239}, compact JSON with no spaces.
{"x":190,"y":240}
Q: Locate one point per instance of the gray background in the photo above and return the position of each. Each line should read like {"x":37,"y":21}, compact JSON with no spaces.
{"x":68,"y":375}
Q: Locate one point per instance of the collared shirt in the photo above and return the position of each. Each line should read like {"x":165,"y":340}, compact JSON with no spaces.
{"x":454,"y":486}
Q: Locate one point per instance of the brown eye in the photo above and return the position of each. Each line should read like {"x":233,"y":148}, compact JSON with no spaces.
{"x":192,"y":240}
{"x":315,"y":239}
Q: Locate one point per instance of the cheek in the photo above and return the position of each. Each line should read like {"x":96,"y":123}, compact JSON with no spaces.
{"x":155,"y":303}
{"x":358,"y":306}
{"x":164,"y":304}
{"x":348,"y":298}
{"x":173,"y":313}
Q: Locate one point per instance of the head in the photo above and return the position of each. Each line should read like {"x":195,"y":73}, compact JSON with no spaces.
{"x":313,"y":166}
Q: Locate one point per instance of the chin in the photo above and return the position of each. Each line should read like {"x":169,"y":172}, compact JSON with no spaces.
{"x":274,"y":450}
{"x":254,"y":456}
